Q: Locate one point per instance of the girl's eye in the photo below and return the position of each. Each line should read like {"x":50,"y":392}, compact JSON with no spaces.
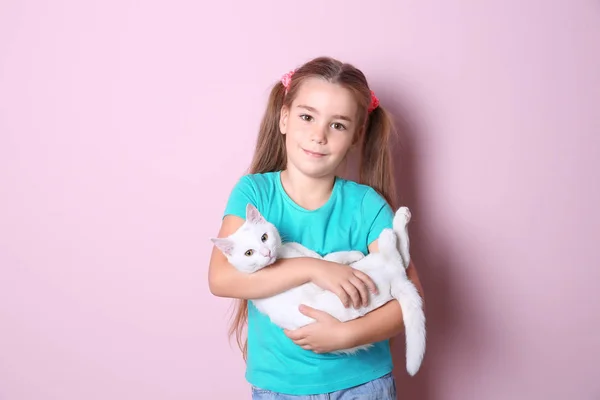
{"x":306,"y":117}
{"x":264,"y":237}
{"x":338,"y":126}
{"x":248,"y":253}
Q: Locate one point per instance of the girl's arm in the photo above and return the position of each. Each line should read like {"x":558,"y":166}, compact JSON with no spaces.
{"x":226,"y":281}
{"x":384,"y":322}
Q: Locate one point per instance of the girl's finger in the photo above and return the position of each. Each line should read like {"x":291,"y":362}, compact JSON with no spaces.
{"x":344,"y":298}
{"x":367,"y":280}
{"x":362,"y":288}
{"x":295,"y":334}
{"x":353,"y":293}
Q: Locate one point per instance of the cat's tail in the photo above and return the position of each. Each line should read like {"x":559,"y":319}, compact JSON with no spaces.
{"x":404,"y":291}
{"x":408,"y":296}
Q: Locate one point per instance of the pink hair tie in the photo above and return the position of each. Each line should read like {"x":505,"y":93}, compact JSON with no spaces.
{"x":374,"y":102}
{"x":286,"y":80}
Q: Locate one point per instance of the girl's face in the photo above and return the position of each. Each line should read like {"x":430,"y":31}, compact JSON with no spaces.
{"x":319,"y":127}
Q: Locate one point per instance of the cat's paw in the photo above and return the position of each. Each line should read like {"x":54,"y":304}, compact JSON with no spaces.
{"x":403,"y":214}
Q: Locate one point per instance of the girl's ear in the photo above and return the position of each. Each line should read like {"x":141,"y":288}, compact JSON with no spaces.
{"x":357,"y":136}
{"x":283,"y":119}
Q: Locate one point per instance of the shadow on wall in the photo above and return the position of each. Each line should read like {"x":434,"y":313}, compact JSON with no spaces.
{"x":446,"y":317}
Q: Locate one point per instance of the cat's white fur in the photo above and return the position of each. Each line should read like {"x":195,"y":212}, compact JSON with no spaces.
{"x":257,"y":244}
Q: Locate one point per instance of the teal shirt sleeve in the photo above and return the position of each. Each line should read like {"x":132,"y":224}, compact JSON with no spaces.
{"x":243,"y":192}
{"x":377,"y":214}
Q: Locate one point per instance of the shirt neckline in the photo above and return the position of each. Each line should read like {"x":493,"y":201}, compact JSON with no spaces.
{"x":289,"y":200}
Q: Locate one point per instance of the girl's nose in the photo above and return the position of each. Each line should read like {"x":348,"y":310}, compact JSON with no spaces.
{"x":319,"y":135}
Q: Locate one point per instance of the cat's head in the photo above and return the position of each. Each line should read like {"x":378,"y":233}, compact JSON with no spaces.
{"x":253,"y":246}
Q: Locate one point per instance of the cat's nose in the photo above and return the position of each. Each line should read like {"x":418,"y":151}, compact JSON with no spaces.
{"x":265,"y":252}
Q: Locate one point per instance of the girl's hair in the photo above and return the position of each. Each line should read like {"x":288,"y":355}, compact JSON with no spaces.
{"x":375,"y":164}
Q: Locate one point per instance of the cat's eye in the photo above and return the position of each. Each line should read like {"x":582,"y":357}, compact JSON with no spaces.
{"x":264,"y":237}
{"x":248,"y":253}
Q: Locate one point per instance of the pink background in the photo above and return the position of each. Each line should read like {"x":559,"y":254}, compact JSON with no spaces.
{"x":123,"y":126}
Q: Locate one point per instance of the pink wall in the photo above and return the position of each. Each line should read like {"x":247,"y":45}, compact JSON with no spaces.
{"x":123,"y":127}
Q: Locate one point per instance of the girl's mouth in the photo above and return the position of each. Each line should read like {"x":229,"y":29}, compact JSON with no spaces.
{"x":313,"y":153}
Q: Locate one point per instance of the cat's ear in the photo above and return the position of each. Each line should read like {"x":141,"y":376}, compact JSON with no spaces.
{"x":253,"y":215}
{"x":224,"y":244}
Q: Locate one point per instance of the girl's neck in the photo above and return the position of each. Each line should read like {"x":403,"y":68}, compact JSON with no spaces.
{"x":307,"y":192}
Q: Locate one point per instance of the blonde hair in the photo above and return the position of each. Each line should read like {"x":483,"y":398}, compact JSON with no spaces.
{"x":375,"y":163}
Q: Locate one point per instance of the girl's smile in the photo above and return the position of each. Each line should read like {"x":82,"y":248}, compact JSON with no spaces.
{"x":314,"y":154}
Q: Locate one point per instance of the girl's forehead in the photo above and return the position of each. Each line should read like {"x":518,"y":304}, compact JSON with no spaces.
{"x":324,"y":96}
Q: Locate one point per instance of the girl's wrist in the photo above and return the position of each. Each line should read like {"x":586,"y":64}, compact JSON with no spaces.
{"x":346,"y":336}
{"x":315,"y":268}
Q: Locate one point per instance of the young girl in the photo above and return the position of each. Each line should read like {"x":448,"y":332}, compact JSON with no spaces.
{"x":315,"y":115}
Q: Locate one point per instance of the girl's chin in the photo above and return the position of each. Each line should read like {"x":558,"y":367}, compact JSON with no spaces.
{"x":315,"y":169}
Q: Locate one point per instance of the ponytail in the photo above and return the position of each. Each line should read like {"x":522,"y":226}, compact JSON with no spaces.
{"x":270,"y":154}
{"x":375,"y":166}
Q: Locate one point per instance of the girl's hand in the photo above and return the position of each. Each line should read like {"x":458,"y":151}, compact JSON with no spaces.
{"x":325,"y":335}
{"x":349,"y":284}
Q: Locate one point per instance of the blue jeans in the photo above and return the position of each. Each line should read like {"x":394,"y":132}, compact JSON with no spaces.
{"x":383,"y":388}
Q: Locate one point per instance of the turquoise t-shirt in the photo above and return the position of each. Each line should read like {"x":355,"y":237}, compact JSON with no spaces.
{"x":352,"y":218}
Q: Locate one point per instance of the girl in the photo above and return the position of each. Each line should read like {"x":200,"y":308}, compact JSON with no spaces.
{"x":315,"y":115}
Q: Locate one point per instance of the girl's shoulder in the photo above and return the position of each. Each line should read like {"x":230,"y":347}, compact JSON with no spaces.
{"x":255,"y":189}
{"x":366,"y":194}
{"x":261,"y":177}
{"x":257,"y":186}
{"x":256,"y":181}
{"x":371,"y":209}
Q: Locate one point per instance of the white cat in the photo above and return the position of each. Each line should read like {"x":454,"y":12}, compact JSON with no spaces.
{"x":257,"y":244}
